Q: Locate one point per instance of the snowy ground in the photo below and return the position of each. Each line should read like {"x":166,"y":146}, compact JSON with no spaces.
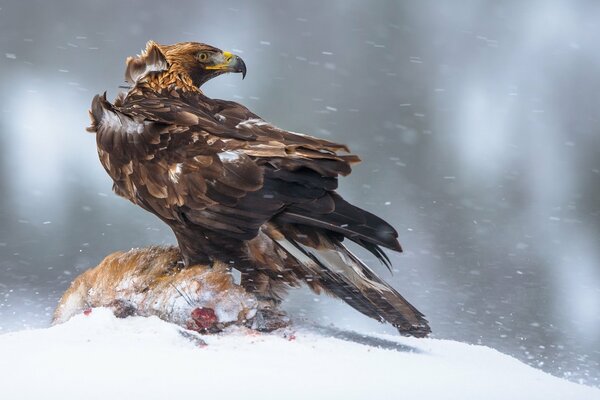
{"x":101,"y":357}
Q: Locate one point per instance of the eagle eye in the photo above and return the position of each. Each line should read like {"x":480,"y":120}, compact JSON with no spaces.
{"x":202,"y":56}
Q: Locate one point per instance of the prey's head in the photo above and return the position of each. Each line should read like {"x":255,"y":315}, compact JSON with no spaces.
{"x":193,"y":62}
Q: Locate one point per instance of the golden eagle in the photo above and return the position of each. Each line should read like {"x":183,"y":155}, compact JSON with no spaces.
{"x":236,"y":189}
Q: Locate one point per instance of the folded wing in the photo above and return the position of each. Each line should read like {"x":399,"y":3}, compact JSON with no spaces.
{"x":213,"y":166}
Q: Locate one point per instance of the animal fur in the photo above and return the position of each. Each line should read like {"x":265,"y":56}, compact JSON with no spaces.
{"x":153,"y":281}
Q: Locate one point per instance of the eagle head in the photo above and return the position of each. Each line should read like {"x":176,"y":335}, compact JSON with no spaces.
{"x":192,"y":61}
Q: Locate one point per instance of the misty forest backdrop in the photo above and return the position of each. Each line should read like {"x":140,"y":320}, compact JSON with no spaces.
{"x":476,"y":120}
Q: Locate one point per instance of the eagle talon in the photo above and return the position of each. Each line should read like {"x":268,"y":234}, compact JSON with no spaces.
{"x":269,"y":317}
{"x":268,"y":320}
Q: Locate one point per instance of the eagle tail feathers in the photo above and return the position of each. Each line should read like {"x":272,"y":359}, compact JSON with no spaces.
{"x":331,"y":266}
{"x":354,"y":223}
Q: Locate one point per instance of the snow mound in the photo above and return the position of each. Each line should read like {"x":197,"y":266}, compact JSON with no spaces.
{"x":98,"y":356}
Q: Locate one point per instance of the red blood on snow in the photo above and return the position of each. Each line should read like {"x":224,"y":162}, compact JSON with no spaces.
{"x":204,"y":318}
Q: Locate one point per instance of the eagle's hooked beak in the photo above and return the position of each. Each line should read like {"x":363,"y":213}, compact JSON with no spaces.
{"x":230,"y":63}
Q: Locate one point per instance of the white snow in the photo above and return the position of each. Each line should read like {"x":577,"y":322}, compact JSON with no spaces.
{"x":101,"y":357}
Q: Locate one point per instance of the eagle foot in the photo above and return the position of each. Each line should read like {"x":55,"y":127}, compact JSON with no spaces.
{"x":269,"y":320}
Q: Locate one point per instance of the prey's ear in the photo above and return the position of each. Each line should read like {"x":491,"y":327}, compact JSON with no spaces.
{"x":151,"y":59}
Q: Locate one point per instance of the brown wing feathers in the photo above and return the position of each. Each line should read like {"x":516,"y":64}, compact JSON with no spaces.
{"x":218,"y":175}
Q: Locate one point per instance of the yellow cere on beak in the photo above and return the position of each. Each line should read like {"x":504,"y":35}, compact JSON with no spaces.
{"x":225,"y":64}
{"x":229,"y":62}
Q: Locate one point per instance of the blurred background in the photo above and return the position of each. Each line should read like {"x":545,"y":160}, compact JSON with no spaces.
{"x":476,"y":120}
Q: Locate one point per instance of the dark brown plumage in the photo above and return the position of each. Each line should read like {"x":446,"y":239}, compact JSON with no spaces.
{"x":237,"y":189}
